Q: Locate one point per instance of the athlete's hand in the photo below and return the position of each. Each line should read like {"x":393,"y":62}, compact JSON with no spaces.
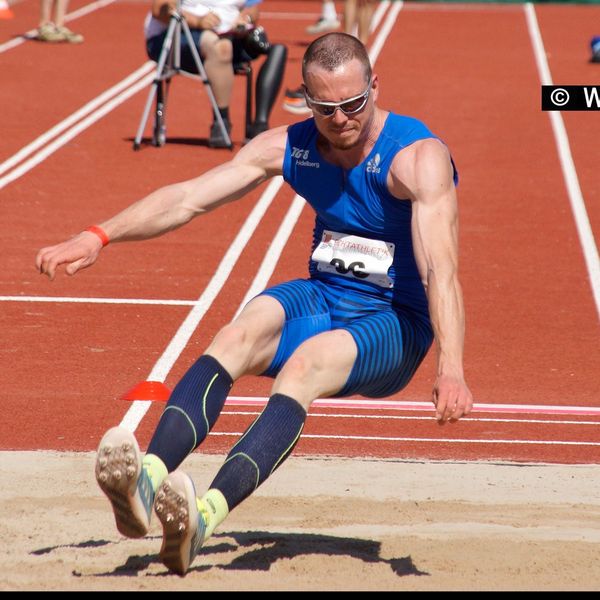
{"x":452,"y":398}
{"x":77,"y":253}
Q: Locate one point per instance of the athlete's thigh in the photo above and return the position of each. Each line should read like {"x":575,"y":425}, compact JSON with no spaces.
{"x":319,"y":367}
{"x":306,"y":315}
{"x":249,"y":343}
{"x":391,"y":346}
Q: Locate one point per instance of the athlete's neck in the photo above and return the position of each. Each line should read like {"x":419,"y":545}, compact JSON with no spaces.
{"x":348,"y":158}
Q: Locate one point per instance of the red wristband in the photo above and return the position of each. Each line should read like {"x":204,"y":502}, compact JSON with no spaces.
{"x":100,"y":233}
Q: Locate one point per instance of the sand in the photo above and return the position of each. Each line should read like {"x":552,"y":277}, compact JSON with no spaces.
{"x":316,"y":524}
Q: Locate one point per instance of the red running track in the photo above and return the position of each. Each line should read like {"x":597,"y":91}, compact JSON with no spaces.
{"x":469,"y":71}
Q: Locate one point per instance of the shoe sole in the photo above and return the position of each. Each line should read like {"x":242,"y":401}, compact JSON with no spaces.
{"x":51,"y":40}
{"x":175,"y":506}
{"x":323,"y":29}
{"x":118,"y":467}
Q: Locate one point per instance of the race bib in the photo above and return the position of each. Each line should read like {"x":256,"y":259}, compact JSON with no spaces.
{"x":355,"y":257}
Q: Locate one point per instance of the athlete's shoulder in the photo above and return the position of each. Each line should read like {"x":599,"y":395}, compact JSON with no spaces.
{"x":413,"y":141}
{"x":426,"y":165}
{"x":405,"y":129}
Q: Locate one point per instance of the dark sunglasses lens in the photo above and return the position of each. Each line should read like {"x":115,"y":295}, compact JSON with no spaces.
{"x":326,"y":111}
{"x":353,"y":106}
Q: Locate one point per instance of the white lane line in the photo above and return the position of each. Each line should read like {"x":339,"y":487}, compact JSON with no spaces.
{"x":290,"y":16}
{"x":365,"y":403}
{"x":67,"y":299}
{"x":468,"y":419}
{"x":461,"y":7}
{"x":376,"y":438}
{"x":66,"y":137}
{"x":274,"y":252}
{"x":378,"y":14}
{"x":76,"y":116}
{"x":584,"y":229}
{"x":385,"y":31}
{"x":84,"y":10}
{"x":164,"y":364}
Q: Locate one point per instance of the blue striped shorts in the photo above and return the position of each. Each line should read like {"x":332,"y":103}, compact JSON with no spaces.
{"x":391,"y":341}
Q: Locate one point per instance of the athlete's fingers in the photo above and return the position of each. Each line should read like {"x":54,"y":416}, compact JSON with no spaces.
{"x":77,"y":265}
{"x":449,"y":405}
{"x":44,"y":262}
{"x":439,"y":400}
{"x":464,"y":405}
{"x":39,"y":259}
{"x":77,"y":253}
{"x":52,"y":264}
{"x":460,"y":405}
{"x":452,"y":399}
{"x":445,"y":402}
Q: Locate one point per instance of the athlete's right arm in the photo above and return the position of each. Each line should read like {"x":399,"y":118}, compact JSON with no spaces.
{"x":172,"y":206}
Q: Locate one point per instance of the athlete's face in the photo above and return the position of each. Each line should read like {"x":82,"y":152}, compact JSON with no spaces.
{"x":342,"y":101}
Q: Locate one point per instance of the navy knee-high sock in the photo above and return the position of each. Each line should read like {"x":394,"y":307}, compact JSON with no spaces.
{"x":192,"y":410}
{"x":264,"y":446}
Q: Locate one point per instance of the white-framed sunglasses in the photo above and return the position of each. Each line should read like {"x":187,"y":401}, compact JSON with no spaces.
{"x":349,"y":106}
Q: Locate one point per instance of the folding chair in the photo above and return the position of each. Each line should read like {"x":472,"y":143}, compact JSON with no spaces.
{"x":169,"y":65}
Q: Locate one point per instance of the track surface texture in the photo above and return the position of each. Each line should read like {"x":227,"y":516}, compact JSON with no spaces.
{"x":377,"y":495}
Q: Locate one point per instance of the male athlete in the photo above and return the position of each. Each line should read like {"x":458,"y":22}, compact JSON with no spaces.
{"x":383,"y":283}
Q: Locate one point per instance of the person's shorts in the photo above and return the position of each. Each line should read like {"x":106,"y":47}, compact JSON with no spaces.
{"x":391,"y":341}
{"x":154,"y":46}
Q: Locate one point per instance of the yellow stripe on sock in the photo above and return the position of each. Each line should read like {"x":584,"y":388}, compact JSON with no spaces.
{"x":204,"y":402}
{"x":288,"y":449}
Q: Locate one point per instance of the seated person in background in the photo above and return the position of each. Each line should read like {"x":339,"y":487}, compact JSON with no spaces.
{"x":225,"y":34}
{"x":357,"y":18}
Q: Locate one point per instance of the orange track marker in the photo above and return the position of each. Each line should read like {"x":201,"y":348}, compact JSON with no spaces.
{"x":155,"y":391}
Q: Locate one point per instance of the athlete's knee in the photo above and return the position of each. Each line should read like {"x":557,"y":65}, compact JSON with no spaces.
{"x":299,"y":371}
{"x":232,"y":338}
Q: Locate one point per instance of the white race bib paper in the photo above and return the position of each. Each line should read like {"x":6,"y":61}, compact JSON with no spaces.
{"x":355,"y":257}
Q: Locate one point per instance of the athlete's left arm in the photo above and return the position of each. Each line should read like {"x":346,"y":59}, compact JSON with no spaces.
{"x":427,"y":174}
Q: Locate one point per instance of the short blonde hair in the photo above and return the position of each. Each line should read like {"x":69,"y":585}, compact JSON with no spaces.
{"x":333,"y":50}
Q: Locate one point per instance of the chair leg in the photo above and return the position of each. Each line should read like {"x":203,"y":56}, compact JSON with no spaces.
{"x":160,"y":129}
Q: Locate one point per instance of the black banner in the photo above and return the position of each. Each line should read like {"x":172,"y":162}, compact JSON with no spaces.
{"x":571,"y":97}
